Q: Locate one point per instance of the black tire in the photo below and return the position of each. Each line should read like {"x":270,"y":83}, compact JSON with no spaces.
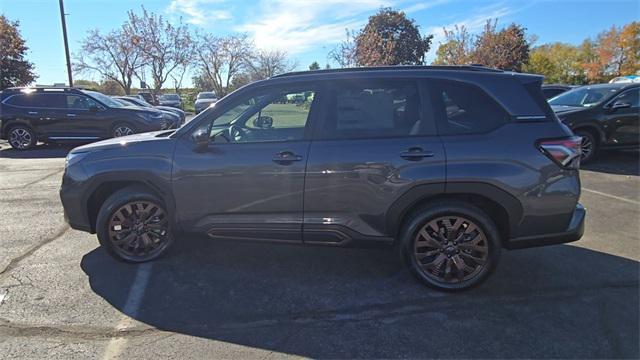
{"x":21,"y":137}
{"x":130,"y":250}
{"x":589,"y":145}
{"x":118,"y":129}
{"x":455,"y":255}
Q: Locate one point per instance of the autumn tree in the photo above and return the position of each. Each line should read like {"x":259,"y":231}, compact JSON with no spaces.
{"x":457,"y":48}
{"x":165,"y":47}
{"x":220,"y":59}
{"x":15,"y":70}
{"x":558,"y":62}
{"x":314,"y":66}
{"x":113,"y":56}
{"x":345,"y":53}
{"x":506,"y":49}
{"x":389,"y":38}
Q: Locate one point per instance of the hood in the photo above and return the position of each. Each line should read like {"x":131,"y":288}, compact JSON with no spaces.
{"x":139,"y":109}
{"x":169,"y":109}
{"x":565,"y":110}
{"x":125,"y":141}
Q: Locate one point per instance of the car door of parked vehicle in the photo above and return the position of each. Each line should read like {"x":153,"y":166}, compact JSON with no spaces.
{"x":84,"y":117}
{"x":377,"y":141}
{"x":248,"y":183}
{"x":50,"y":108}
{"x":622,"y":124}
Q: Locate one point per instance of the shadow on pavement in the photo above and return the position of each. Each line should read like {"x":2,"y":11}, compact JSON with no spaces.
{"x":41,"y":151}
{"x":553,"y":302}
{"x":616,"y":162}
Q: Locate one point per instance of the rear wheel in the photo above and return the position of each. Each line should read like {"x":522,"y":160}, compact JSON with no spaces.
{"x":588,"y":145}
{"x":22,"y":137}
{"x":133,"y":225}
{"x":450,"y":246}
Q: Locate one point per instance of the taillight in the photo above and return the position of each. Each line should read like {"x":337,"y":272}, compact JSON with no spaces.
{"x":565,"y":152}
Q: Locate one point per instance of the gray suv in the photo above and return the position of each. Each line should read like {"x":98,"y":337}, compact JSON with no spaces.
{"x":448,"y":165}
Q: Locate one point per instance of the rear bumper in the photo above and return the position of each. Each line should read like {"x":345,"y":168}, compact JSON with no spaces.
{"x":573,"y":233}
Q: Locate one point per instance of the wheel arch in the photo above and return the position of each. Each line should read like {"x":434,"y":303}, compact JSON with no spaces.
{"x":594,"y":129}
{"x":504,"y":209}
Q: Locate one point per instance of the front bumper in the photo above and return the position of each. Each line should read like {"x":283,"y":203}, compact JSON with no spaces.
{"x":574,"y":232}
{"x":73,"y":203}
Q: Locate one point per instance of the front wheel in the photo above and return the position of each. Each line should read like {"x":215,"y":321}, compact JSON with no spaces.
{"x":123,"y":130}
{"x":450,"y":245}
{"x":588,"y":145}
{"x":133,"y":225}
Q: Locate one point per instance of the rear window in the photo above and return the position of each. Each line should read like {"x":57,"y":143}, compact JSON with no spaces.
{"x":465,"y":109}
{"x":39,"y":100}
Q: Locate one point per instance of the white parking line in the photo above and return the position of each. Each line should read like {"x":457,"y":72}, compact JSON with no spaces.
{"x":131,"y":309}
{"x":612,"y":196}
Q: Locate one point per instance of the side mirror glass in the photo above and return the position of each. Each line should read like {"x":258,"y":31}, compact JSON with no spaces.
{"x":201,"y":139}
{"x":263,"y":122}
{"x":620,"y":105}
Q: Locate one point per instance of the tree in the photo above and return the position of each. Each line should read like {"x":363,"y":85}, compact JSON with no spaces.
{"x":220,"y":59}
{"x":113,"y":56}
{"x":506,"y":49}
{"x":165,"y":47}
{"x":629,"y":44}
{"x":345,"y":53}
{"x":457,"y":48}
{"x":314,"y":66}
{"x":389,"y":38}
{"x":558,"y":62}
{"x":268,"y":63}
{"x":15,"y":70}
{"x":86,"y":84}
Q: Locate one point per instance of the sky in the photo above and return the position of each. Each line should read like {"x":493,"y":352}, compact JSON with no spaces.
{"x":306,"y":29}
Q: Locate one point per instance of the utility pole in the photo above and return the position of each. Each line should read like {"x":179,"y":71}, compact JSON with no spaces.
{"x":66,"y":42}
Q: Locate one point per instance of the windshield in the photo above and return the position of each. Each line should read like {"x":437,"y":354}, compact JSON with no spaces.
{"x":206,"y":95}
{"x":170,"y":97}
{"x":584,"y":96}
{"x":103,"y":99}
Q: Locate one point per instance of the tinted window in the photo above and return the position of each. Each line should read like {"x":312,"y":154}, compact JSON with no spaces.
{"x":276,"y":115}
{"x":632,"y":97}
{"x":80,"y":102}
{"x":380,"y":109}
{"x":465,"y":109}
{"x":20,"y":100}
{"x":55,"y":101}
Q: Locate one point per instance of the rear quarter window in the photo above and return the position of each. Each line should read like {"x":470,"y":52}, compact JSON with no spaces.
{"x":464,"y":108}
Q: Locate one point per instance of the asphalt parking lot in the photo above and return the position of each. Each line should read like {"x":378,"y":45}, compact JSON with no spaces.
{"x":61,"y":296}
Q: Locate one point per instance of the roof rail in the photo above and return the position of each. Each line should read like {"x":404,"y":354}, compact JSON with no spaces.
{"x":43,"y":87}
{"x":472,"y":67}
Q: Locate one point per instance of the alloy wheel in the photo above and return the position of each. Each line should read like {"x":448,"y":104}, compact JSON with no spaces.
{"x":122,"y":130}
{"x":586,"y":146}
{"x":451,"y":249}
{"x":20,"y":138}
{"x":139,"y":230}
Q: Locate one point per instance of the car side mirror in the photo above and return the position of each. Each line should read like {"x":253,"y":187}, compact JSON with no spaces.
{"x":263,"y":122}
{"x":201,"y":139}
{"x":620,"y":105}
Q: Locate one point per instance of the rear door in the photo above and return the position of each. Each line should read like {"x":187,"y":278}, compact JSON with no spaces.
{"x":377,"y":140}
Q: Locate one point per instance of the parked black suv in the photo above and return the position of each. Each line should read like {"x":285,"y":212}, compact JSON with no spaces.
{"x":59,"y":114}
{"x":447,"y":164}
{"x":606,"y":116}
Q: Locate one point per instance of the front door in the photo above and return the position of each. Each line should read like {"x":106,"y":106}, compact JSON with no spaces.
{"x":623,"y":123}
{"x":249,"y":182}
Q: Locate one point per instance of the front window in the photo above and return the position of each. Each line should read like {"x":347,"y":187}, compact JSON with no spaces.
{"x":585,"y":96}
{"x":103,"y":99}
{"x":80,"y":102}
{"x":207,"y":95}
{"x":269,"y":116}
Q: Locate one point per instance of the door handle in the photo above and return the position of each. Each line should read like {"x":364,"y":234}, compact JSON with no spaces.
{"x":286,"y":157}
{"x":71,"y":115}
{"x":415,"y":154}
{"x":32,"y":113}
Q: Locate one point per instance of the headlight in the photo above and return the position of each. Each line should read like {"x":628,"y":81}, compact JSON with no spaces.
{"x":73,"y":158}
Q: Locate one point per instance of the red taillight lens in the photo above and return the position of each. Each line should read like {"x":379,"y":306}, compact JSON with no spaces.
{"x":565,"y":152}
